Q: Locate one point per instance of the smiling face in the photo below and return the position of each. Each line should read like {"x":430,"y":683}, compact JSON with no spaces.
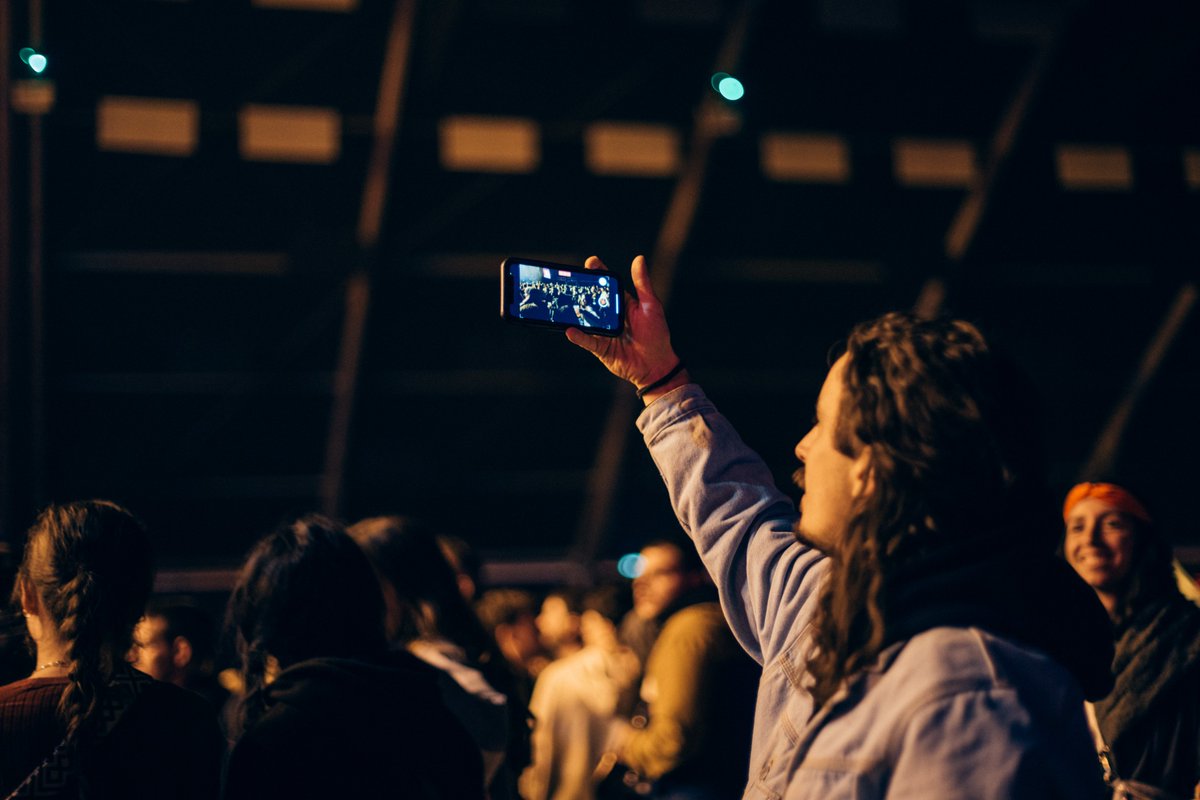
{"x":1099,"y":545}
{"x":831,"y":480}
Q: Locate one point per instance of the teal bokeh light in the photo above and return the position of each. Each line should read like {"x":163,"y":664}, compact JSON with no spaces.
{"x":731,"y":88}
{"x":35,"y":60}
{"x":630,"y":566}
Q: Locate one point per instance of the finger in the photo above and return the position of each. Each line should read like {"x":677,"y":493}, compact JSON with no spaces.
{"x":641,"y":280}
{"x":594,"y":262}
{"x":584,"y":340}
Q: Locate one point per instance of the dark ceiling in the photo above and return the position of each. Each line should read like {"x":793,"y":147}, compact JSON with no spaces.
{"x":199,"y":348}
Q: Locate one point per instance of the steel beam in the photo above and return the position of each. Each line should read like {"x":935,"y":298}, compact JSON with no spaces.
{"x":386,"y":125}
{"x":712,"y":122}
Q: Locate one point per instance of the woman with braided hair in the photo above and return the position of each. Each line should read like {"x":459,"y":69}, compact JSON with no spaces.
{"x":84,"y":723}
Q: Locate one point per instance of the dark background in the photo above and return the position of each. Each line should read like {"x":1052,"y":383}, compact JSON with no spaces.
{"x":182,"y":353}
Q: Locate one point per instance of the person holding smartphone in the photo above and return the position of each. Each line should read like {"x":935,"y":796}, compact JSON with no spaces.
{"x":915,"y":640}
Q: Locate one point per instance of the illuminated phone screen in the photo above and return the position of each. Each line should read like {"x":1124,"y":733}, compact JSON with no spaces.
{"x":578,"y":298}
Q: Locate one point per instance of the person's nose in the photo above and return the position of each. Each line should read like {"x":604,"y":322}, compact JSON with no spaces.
{"x":803,"y":445}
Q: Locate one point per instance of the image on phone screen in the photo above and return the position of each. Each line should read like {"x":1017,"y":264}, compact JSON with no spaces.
{"x":554,"y":295}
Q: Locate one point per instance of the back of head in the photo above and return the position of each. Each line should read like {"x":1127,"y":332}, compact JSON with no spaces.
{"x":922,"y":395}
{"x":306,"y":591}
{"x":504,"y":607}
{"x":90,"y":564}
{"x":409,"y":559}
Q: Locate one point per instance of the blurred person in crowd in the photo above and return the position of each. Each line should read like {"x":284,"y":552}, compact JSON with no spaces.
{"x":1148,"y":728}
{"x":15,"y":660}
{"x":465,"y":562}
{"x":428,"y":616}
{"x":84,"y":723}
{"x":698,"y":685}
{"x":328,"y":711}
{"x":511,"y":617}
{"x":575,"y":701}
{"x":176,"y":643}
{"x":558,"y":623}
{"x":915,"y":641}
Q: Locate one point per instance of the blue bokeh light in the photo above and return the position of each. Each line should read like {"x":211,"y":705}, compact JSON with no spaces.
{"x":630,"y":565}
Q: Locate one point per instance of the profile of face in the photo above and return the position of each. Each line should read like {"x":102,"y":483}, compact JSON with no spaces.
{"x":151,"y":652}
{"x":1099,"y":544}
{"x":661,"y":582}
{"x":830,"y":479}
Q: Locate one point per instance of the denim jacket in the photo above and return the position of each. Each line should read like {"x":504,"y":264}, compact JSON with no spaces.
{"x":950,"y":713}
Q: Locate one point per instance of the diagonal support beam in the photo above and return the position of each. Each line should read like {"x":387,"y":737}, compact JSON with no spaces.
{"x":1108,"y":444}
{"x":712,"y":122}
{"x":961,"y":234}
{"x":386,"y":125}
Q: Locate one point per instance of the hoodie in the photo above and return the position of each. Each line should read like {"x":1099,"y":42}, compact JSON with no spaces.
{"x":333,"y":727}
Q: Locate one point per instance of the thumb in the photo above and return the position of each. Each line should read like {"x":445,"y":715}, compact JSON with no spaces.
{"x":641,"y":281}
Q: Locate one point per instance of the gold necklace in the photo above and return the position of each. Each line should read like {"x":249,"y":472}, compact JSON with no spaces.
{"x":50,"y":664}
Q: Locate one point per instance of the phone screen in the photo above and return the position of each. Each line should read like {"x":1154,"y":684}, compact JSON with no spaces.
{"x":554,"y":295}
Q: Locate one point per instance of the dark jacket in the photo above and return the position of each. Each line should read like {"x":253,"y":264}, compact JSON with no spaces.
{"x":340,"y":728}
{"x":1151,"y":721}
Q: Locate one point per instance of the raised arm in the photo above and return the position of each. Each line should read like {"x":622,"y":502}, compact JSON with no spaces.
{"x":723,"y":494}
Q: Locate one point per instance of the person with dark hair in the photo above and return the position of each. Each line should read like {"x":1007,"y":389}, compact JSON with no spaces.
{"x":1148,"y":729}
{"x":428,"y":616}
{"x":176,"y":642}
{"x":510,"y":615}
{"x":915,"y":641}
{"x":85,"y":723}
{"x":328,"y":712}
{"x":575,"y":701}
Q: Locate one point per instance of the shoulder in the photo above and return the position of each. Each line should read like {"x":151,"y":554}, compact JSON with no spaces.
{"x":949,"y":657}
{"x":947,"y":666}
{"x":698,"y":619}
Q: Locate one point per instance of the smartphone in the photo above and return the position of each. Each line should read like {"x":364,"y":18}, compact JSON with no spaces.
{"x":552,"y":295}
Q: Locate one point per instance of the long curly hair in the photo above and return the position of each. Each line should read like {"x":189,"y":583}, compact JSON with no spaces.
{"x":90,"y":564}
{"x":920,"y":395}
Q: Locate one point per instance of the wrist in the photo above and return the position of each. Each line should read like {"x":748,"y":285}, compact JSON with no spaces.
{"x":664,"y":377}
{"x":681,"y":378}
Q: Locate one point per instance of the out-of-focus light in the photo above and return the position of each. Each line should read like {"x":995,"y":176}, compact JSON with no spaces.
{"x":716,"y":79}
{"x":630,"y":566}
{"x":731,"y":88}
{"x":35,"y":60}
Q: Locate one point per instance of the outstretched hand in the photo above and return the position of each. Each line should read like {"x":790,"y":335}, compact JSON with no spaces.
{"x":642,"y":354}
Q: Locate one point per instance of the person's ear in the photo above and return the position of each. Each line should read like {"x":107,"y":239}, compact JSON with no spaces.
{"x":30,"y":602}
{"x":181,"y":652}
{"x":862,"y":473}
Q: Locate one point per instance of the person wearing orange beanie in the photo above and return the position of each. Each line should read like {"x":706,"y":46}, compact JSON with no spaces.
{"x":1148,"y":728}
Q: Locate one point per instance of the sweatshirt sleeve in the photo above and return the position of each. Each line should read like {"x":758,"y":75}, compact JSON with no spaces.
{"x":726,"y":500}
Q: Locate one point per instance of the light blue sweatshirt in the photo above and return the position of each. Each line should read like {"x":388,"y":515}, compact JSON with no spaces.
{"x":954,"y":712}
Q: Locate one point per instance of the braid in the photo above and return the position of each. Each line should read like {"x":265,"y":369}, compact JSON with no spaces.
{"x":89,"y":671}
{"x":90,"y":564}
